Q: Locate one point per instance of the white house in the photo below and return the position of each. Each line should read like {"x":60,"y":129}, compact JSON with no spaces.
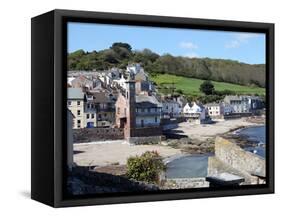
{"x":195,"y":113}
{"x":121,"y":82}
{"x":215,"y":110}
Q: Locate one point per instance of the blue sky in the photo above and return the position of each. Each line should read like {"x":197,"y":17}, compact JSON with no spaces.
{"x":243,"y":47}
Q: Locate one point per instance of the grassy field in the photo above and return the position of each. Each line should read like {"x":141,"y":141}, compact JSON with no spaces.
{"x":190,"y":86}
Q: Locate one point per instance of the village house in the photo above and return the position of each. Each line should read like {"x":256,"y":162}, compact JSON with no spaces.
{"x":195,"y":113}
{"x":256,"y":103}
{"x":228,"y":109}
{"x":215,"y":110}
{"x":100,"y":109}
{"x":240,"y":104}
{"x":148,"y":111}
{"x":82,"y":82}
{"x":75,"y":103}
{"x":108,"y":77}
{"x":90,"y":112}
{"x":171,"y":108}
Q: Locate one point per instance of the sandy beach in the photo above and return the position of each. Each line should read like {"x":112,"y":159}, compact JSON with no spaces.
{"x":203,"y":132}
{"x":114,"y":152}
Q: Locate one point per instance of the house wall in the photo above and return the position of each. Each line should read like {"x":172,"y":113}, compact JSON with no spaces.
{"x":105,"y":118}
{"x":148,"y":121}
{"x":120,"y":109}
{"x":140,"y":76}
{"x":215,"y":110}
{"x":171,"y":108}
{"x":74,"y":108}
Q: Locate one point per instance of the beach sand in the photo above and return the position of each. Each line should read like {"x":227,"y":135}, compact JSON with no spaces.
{"x":114,"y":152}
{"x":204,"y":131}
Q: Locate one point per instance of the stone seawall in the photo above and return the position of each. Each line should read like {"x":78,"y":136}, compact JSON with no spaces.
{"x":182,"y":183}
{"x":97,"y":134}
{"x":232,"y":159}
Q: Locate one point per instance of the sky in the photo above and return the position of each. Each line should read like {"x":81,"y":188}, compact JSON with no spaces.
{"x":241,"y":46}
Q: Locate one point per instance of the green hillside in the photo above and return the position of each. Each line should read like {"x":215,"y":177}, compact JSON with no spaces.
{"x":190,"y":86}
{"x":121,"y":54}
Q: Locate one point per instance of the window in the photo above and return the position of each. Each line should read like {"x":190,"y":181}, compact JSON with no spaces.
{"x":88,"y":106}
{"x":78,"y":123}
{"x":93,"y":115}
{"x":118,"y":110}
{"x":78,"y":112}
{"x":78,"y":102}
{"x":92,"y":106}
{"x":142,"y":110}
{"x":148,"y":110}
{"x":155,"y":109}
{"x":155,"y":119}
{"x":69,"y":102}
{"x":88,"y":116}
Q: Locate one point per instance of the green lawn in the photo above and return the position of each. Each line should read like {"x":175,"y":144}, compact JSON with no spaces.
{"x":190,"y":86}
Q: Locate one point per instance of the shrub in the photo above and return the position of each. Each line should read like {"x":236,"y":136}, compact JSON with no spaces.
{"x":146,"y":167}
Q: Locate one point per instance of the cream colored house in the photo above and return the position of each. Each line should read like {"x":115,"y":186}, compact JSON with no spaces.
{"x":75,"y":103}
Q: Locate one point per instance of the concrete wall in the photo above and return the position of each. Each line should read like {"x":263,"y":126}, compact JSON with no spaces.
{"x":231,"y":158}
{"x":97,"y":134}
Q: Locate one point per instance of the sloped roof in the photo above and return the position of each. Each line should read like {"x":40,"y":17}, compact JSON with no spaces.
{"x":75,"y":93}
{"x":147,"y":101}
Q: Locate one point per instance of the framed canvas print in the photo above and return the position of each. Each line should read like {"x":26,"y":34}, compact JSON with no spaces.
{"x":134,"y":108}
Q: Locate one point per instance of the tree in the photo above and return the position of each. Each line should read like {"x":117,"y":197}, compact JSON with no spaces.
{"x":146,"y":167}
{"x":207,"y":87}
{"x":117,"y":45}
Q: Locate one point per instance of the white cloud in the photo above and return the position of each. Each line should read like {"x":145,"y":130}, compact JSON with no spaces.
{"x":192,"y":55}
{"x":188,"y":45}
{"x":239,"y":39}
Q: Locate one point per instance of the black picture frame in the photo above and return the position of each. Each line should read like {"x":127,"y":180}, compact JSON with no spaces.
{"x":48,"y":70}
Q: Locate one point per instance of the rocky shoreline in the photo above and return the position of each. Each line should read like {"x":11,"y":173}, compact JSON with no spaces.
{"x":192,"y":146}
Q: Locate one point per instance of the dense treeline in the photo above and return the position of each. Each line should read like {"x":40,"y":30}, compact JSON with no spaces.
{"x":121,"y":54}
